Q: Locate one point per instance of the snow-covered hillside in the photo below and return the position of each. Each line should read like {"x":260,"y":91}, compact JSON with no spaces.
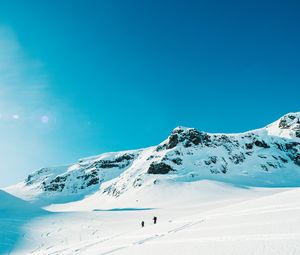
{"x":212,"y":193}
{"x":14,"y":213}
{"x":266,"y":157}
{"x":208,"y":218}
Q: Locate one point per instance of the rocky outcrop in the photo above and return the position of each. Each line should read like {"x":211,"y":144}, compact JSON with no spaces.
{"x":287,"y":126}
{"x":259,"y":157}
{"x":86,"y":174}
{"x":159,"y":168}
{"x":187,"y":137}
{"x":289,"y":121}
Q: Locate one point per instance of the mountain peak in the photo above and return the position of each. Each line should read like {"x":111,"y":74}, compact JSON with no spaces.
{"x":288,"y":126}
{"x":262,"y":157}
{"x":180,"y":129}
{"x":185,"y":136}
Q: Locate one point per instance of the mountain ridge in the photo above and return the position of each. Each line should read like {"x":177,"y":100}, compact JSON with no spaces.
{"x":268,"y":156}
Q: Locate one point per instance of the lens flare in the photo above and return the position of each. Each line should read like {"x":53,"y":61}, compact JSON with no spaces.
{"x":44,"y":119}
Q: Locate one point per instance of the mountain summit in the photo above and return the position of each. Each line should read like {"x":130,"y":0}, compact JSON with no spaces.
{"x":266,"y":157}
{"x":288,"y":126}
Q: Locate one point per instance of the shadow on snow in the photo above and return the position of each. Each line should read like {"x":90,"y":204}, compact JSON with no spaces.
{"x":123,"y":209}
{"x":14,"y":215}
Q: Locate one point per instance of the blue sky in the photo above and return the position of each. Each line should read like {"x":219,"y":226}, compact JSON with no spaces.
{"x":78,"y":78}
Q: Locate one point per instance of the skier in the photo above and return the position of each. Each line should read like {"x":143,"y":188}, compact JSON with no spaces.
{"x":143,"y":224}
{"x":154,"y":219}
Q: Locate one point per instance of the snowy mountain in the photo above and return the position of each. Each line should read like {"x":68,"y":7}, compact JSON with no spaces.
{"x":212,"y":193}
{"x":266,"y":157}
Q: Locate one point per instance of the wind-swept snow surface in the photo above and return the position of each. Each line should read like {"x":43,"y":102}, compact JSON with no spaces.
{"x":244,"y":221}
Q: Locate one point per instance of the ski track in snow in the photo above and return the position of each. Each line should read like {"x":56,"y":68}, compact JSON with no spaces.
{"x":230,"y":180}
{"x":78,"y":249}
{"x":155,"y":234}
{"x":148,"y":239}
{"x":268,"y":223}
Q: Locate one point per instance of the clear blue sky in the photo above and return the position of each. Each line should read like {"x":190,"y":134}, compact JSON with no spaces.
{"x":82,"y":77}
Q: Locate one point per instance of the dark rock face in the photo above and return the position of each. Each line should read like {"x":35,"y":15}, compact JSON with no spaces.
{"x":173,"y":141}
{"x":279,"y":146}
{"x":93,"y":181}
{"x":59,"y":183}
{"x":56,"y":184}
{"x":297,"y":159}
{"x":283,"y":124}
{"x":217,"y":165}
{"x":124,"y":160}
{"x":187,"y":137}
{"x":195,"y":137}
{"x":111,"y":190}
{"x":137,"y":182}
{"x":159,"y":168}
{"x":292,"y":146}
{"x":92,"y":178}
{"x":211,"y":160}
{"x":177,"y":161}
{"x":261,"y":144}
{"x":263,"y":167}
{"x":237,"y":158}
{"x":283,"y":159}
{"x":124,"y":157}
{"x":257,"y":143}
{"x":291,"y":122}
{"x":249,"y":146}
{"x":271,"y":164}
{"x":224,"y":169}
{"x":32,"y":178}
{"x":89,"y":175}
{"x":286,"y":121}
{"x":186,"y":149}
{"x":55,"y":187}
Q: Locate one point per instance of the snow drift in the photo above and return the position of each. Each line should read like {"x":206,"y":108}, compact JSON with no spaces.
{"x":14,"y":213}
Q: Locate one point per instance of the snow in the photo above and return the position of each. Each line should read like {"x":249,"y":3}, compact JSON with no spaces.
{"x":263,"y":157}
{"x":207,"y":218}
{"x":14,"y":213}
{"x":286,"y":127}
{"x":225,"y":194}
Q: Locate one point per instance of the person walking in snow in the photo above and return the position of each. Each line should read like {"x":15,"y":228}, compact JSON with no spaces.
{"x":143,"y":224}
{"x":154,"y":219}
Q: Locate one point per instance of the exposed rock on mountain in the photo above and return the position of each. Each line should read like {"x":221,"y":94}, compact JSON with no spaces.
{"x":159,"y":168}
{"x":268,"y":156}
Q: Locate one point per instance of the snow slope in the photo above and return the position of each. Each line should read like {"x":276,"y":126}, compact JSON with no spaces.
{"x":212,"y":194}
{"x":14,"y":213}
{"x":266,"y":157}
{"x":223,"y":220}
